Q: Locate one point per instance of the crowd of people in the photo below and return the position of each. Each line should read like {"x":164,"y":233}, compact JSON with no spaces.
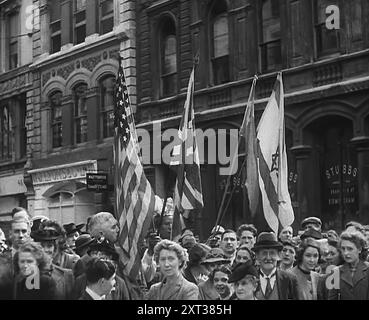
{"x":42,"y":259}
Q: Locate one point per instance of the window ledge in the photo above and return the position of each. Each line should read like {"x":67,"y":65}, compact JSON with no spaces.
{"x":91,"y":42}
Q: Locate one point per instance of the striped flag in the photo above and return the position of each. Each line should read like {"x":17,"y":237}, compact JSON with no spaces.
{"x":135,"y":199}
{"x":188,"y":191}
{"x":248,"y":131}
{"x":273,"y":161}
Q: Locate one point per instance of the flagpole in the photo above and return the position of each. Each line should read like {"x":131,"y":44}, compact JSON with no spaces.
{"x":220,"y":213}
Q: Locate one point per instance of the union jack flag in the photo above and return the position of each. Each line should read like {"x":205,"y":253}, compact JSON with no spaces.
{"x":135,"y":199}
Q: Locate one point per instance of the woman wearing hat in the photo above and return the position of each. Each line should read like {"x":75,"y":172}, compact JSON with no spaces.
{"x":171,"y":258}
{"x":245,"y":280}
{"x":72,"y":233}
{"x":30,"y":262}
{"x":214,"y":260}
{"x":307,"y":257}
{"x":194,"y":271}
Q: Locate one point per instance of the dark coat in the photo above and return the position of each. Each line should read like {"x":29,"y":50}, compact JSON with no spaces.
{"x":65,"y":260}
{"x":120,"y":293}
{"x":180,"y":290}
{"x":64,"y":280}
{"x":352,"y":288}
{"x":85,"y":296}
{"x":80,"y":266}
{"x":207,"y":291}
{"x":6,"y":275}
{"x":47,"y":289}
{"x":287,"y":286}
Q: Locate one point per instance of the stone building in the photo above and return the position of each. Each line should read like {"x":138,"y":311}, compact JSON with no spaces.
{"x":326,"y":80}
{"x":76,"y":45}
{"x":15,"y":95}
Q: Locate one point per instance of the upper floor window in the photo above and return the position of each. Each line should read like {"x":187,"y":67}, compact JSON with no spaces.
{"x":79,"y":22}
{"x":80,"y":113}
{"x":106,"y":17}
{"x":5,"y":133}
{"x":168,"y":55}
{"x":12,"y":35}
{"x":220,"y":43}
{"x":327,"y":41}
{"x":55,"y":26}
{"x":107,"y":86}
{"x":56,"y":119}
{"x":271,"y":56}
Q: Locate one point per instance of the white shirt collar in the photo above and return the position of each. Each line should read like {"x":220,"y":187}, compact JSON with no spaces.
{"x":94,"y":295}
{"x":271,"y":275}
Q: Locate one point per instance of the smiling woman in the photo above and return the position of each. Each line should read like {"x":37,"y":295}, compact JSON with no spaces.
{"x":171,"y":258}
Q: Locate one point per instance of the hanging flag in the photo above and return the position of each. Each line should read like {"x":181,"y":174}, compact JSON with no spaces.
{"x":188,"y":191}
{"x":135,"y":199}
{"x":248,"y":131}
{"x":272,"y":166}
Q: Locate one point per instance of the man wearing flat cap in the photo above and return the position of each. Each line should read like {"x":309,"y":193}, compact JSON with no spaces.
{"x":311,"y":223}
{"x":275,"y":284}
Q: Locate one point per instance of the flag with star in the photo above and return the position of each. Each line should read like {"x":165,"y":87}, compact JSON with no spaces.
{"x":272,"y":161}
{"x":135,"y":199}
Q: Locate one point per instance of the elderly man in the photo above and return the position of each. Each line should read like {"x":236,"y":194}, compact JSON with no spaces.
{"x":275,"y":284}
{"x":286,"y":234}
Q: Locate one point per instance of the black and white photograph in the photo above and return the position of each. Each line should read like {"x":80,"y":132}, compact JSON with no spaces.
{"x":203,"y":151}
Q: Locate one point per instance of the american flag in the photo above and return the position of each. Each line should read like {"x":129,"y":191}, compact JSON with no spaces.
{"x":188,"y":191}
{"x":135,"y":199}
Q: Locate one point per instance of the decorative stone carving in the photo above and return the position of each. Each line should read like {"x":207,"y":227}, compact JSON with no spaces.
{"x":64,"y":172}
{"x":91,"y":62}
{"x":65,"y":71}
{"x":16,"y":83}
{"x":220,"y":98}
{"x":114,"y":54}
{"x":45,"y":78}
{"x":327,"y":74}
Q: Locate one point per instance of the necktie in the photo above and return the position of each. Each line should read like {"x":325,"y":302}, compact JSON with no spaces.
{"x":268,"y":289}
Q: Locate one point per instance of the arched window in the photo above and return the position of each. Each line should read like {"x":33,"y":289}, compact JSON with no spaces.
{"x":107,"y":86}
{"x":56,"y":119}
{"x":271,"y":56}
{"x":220,"y":43}
{"x":5,"y":133}
{"x":168,"y":55}
{"x":80,"y":113}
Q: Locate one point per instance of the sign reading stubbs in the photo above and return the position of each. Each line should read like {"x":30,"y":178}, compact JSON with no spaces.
{"x":97,"y":182}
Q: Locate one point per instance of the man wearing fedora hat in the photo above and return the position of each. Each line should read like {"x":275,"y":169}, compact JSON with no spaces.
{"x":72,"y":232}
{"x":275,"y":284}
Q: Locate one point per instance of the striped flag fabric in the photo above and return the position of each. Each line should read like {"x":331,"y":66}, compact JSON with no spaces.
{"x":272,"y":161}
{"x":248,"y":131}
{"x":188,"y":190}
{"x":135,"y":199}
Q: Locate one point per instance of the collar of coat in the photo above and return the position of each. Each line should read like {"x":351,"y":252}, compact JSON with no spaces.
{"x":360,"y":273}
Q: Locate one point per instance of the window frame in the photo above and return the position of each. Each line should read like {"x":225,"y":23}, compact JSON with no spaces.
{"x":54,"y":123}
{"x":12,"y":40}
{"x":79,"y":24}
{"x":104,"y":111}
{"x":55,"y":23}
{"x":9,"y":134}
{"x":78,"y":117}
{"x":104,"y":18}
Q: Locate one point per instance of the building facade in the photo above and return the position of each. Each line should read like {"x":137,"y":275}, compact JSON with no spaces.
{"x":326,"y":80}
{"x":15,"y":95}
{"x":76,"y":45}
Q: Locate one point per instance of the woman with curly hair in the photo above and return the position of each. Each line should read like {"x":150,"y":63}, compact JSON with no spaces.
{"x":30,"y":282}
{"x":171,"y":258}
{"x":307,"y":258}
{"x":354,"y":273}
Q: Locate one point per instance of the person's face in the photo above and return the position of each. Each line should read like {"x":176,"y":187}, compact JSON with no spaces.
{"x":110,"y":230}
{"x":247,"y":238}
{"x":245,"y":288}
{"x":267,"y":259}
{"x":229,"y":243}
{"x":221,"y":283}
{"x":49,"y":248}
{"x":107,"y":285}
{"x":349,"y":251}
{"x":333,"y":256}
{"x":166,"y":227}
{"x":242,"y":256}
{"x":313,"y":226}
{"x":27,"y":263}
{"x":71,"y":239}
{"x":310,"y":258}
{"x":169,"y":263}
{"x":286,"y":234}
{"x":366,"y":233}
{"x":288,"y":255}
{"x":20,"y":233}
